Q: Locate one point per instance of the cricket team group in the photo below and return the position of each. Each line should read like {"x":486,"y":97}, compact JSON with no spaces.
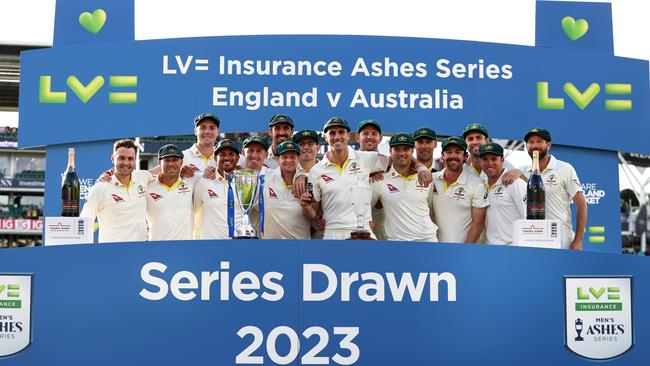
{"x":470,"y":195}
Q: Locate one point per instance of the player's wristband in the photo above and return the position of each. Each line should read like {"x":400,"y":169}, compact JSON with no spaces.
{"x":422,"y":169}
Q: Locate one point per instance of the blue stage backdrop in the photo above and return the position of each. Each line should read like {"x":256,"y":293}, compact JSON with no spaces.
{"x":154,"y":303}
{"x":291,"y":302}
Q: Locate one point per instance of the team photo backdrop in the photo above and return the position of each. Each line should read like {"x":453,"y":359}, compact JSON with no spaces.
{"x":475,"y":303}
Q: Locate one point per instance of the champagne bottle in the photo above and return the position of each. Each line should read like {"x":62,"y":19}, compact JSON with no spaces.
{"x":536,"y":196}
{"x":70,"y":189}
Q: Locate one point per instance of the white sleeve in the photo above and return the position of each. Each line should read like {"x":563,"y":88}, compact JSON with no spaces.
{"x":374,"y":161}
{"x":573,"y":185}
{"x":518,"y":190}
{"x":93,"y":203}
{"x":480,"y":200}
{"x":198,"y":208}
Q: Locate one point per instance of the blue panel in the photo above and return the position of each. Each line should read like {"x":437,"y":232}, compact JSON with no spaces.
{"x":166,"y":103}
{"x":549,"y":31}
{"x":509,"y":303}
{"x":119,"y":21}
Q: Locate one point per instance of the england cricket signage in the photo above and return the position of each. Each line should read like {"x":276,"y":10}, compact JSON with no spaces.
{"x":15,"y":313}
{"x":599,"y":322}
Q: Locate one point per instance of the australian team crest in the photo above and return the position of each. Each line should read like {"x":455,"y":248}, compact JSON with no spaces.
{"x":15,"y":313}
{"x":598,"y":313}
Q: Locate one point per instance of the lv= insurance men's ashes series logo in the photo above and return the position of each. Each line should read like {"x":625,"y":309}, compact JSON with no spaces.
{"x":598,"y":322}
{"x":15,"y":313}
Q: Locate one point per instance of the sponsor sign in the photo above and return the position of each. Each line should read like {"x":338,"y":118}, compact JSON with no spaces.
{"x":598,"y":316}
{"x":15,"y":313}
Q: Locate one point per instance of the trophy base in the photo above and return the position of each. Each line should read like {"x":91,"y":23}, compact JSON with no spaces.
{"x":360,"y":235}
{"x":245,"y":232}
{"x":245,"y":237}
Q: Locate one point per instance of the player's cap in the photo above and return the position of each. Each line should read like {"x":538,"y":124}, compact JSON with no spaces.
{"x":287,"y":146}
{"x":401,"y":139}
{"x":226,"y":144}
{"x":336,"y":122}
{"x":425,"y":132}
{"x":490,"y":148}
{"x":280,"y":118}
{"x":368,"y":122}
{"x":256,"y":139}
{"x":454,"y":140}
{"x":475,"y":127}
{"x":168,"y":151}
{"x":206,"y":116}
{"x":305,"y":134}
{"x":543,"y":133}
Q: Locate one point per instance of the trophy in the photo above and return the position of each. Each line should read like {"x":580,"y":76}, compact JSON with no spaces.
{"x":361,"y":206}
{"x":246,"y":187}
{"x":579,"y":330}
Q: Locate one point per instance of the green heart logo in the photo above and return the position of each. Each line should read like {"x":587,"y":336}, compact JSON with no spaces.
{"x":582,"y":100}
{"x":85,"y":92}
{"x":574,"y":29}
{"x":94,"y":22}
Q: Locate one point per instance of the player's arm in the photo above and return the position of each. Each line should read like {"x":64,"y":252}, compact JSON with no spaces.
{"x":92,"y":205}
{"x":581,"y":220}
{"x":478,"y":222}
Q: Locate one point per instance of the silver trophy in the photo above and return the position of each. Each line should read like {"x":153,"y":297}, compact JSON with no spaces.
{"x":361,"y":205}
{"x":246,"y":187}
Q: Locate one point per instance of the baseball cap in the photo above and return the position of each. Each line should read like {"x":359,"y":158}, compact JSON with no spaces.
{"x":405,"y":139}
{"x":305,"y":134}
{"x":280,"y":118}
{"x":490,"y":148}
{"x":287,"y":146}
{"x":475,"y":127}
{"x":454,"y":140}
{"x":226,"y":144}
{"x":424,"y":132}
{"x":336,"y":122}
{"x":368,"y":122}
{"x":203,"y":116}
{"x":260,"y":140}
{"x":169,"y":150}
{"x":538,"y":131}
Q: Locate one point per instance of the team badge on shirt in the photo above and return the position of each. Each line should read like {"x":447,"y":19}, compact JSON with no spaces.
{"x":460,"y":192}
{"x":212,"y":194}
{"x":551,"y":180}
{"x":272,"y":193}
{"x":354,"y":167}
{"x":155,"y":196}
{"x":141,"y":190}
{"x":392,"y":188}
{"x":182,"y":187}
{"x":117,"y":198}
{"x":499,"y":191}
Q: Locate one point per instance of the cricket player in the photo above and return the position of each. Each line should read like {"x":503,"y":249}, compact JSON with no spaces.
{"x":425,"y":143}
{"x":562,"y":186}
{"x":169,"y":199}
{"x":211,"y":196}
{"x":201,"y":154}
{"x":120,"y":203}
{"x":256,"y":151}
{"x":283,"y":215}
{"x":507,"y":204}
{"x":459,"y":197}
{"x":280,"y":129}
{"x":407,"y":204}
{"x":369,"y":136}
{"x":333,"y":177}
{"x":309,"y":145}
